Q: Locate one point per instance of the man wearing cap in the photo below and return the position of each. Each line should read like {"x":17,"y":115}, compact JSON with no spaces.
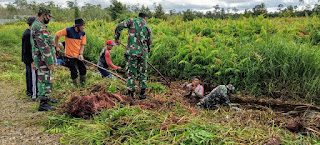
{"x":105,"y":60}
{"x":218,"y":96}
{"x":75,"y":40}
{"x":138,"y":46}
{"x":26,"y":52}
{"x":44,"y":57}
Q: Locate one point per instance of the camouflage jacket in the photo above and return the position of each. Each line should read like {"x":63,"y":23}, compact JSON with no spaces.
{"x":218,"y":96}
{"x":43,"y":50}
{"x":139,"y":36}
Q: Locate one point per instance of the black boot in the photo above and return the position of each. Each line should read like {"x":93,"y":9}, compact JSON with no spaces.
{"x":131,"y":94}
{"x":82,"y":80}
{"x":75,"y":82}
{"x":44,"y":105}
{"x":142,"y":94}
{"x":53,"y":100}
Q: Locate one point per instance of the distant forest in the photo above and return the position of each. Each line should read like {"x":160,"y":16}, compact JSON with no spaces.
{"x":119,"y":11}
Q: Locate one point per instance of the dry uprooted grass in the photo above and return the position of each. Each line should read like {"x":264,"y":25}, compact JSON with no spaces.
{"x":256,"y":112}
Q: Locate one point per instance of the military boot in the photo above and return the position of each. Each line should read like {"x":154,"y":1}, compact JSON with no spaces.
{"x":75,"y":82}
{"x":44,"y":104}
{"x":53,"y":100}
{"x":131,"y":94}
{"x":142,"y":94}
{"x":82,"y":80}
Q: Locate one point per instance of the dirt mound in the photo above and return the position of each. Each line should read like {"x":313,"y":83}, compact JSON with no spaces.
{"x":273,"y":140}
{"x":305,"y":124}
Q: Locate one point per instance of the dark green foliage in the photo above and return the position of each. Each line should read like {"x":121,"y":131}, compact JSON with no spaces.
{"x":76,"y":13}
{"x":159,"y":12}
{"x":116,"y":9}
{"x":315,"y":35}
{"x":188,"y":15}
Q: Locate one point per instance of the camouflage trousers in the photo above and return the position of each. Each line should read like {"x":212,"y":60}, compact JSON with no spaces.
{"x":45,"y":81}
{"x":212,"y":100}
{"x":136,"y":66}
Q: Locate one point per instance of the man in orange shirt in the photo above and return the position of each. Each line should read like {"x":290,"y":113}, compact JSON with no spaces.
{"x":75,"y":40}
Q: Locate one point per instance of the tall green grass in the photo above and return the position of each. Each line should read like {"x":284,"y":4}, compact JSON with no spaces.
{"x":269,"y":56}
{"x":174,"y":123}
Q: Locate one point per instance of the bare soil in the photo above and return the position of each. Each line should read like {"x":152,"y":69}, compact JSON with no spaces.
{"x":18,"y":119}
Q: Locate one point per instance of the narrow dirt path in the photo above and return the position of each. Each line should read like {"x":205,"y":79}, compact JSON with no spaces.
{"x":17,"y":119}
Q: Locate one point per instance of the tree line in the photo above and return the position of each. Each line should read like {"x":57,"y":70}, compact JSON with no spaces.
{"x":118,"y":11}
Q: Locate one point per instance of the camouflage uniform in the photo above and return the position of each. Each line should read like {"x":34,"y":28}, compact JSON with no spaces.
{"x":218,"y":96}
{"x":139,"y":41}
{"x":43,"y":53}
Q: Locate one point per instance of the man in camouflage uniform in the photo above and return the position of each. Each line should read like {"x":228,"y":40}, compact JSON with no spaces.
{"x":44,"y":57}
{"x":138,"y":46}
{"x":218,"y":96}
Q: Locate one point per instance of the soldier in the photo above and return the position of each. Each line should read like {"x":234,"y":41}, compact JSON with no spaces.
{"x":218,"y":96}
{"x":44,"y":56}
{"x":75,"y":37}
{"x":138,"y":46}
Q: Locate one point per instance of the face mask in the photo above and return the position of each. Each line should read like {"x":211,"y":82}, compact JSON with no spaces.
{"x":46,"y":21}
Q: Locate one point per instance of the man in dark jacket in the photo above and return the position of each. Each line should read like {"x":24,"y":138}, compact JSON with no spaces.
{"x":31,"y":71}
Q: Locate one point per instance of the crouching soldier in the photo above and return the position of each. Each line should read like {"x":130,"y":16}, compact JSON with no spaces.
{"x":218,"y":96}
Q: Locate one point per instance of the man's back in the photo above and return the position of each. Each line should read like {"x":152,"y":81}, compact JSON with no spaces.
{"x":139,"y":36}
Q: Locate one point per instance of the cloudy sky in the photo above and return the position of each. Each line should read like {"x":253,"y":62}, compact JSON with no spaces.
{"x":182,"y":5}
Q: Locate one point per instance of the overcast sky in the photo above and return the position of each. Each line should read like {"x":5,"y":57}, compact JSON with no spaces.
{"x":182,"y":5}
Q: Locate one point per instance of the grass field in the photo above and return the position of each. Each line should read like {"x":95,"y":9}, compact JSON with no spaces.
{"x":264,"y":58}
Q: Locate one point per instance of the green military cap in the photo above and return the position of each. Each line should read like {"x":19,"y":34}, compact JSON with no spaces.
{"x":45,"y":11}
{"x":231,"y":88}
{"x":144,"y":13}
